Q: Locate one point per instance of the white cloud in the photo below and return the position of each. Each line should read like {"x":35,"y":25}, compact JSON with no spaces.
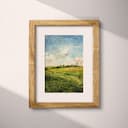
{"x":78,"y":61}
{"x":62,"y":57}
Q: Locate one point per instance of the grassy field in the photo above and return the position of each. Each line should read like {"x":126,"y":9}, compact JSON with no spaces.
{"x":64,"y":79}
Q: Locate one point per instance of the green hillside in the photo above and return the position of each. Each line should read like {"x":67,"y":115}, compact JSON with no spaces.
{"x":64,"y":79}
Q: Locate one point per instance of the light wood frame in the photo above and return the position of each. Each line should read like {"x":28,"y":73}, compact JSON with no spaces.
{"x":32,"y":62}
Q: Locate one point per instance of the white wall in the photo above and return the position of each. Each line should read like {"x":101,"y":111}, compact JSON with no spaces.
{"x":14,"y":19}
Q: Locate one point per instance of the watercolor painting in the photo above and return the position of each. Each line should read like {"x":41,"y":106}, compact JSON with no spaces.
{"x":63,"y":63}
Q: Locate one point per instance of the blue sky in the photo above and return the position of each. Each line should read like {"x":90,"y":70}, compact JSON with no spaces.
{"x":63,"y":49}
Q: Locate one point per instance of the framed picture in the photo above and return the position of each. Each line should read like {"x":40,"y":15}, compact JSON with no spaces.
{"x":63,"y":63}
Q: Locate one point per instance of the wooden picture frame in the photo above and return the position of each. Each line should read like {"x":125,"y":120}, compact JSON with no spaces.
{"x":33,"y":103}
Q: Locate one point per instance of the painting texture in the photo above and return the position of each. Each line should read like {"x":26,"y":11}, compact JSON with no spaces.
{"x":63,"y":63}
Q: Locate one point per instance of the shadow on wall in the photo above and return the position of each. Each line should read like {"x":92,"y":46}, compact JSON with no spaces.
{"x":113,"y":13}
{"x":15,"y":113}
